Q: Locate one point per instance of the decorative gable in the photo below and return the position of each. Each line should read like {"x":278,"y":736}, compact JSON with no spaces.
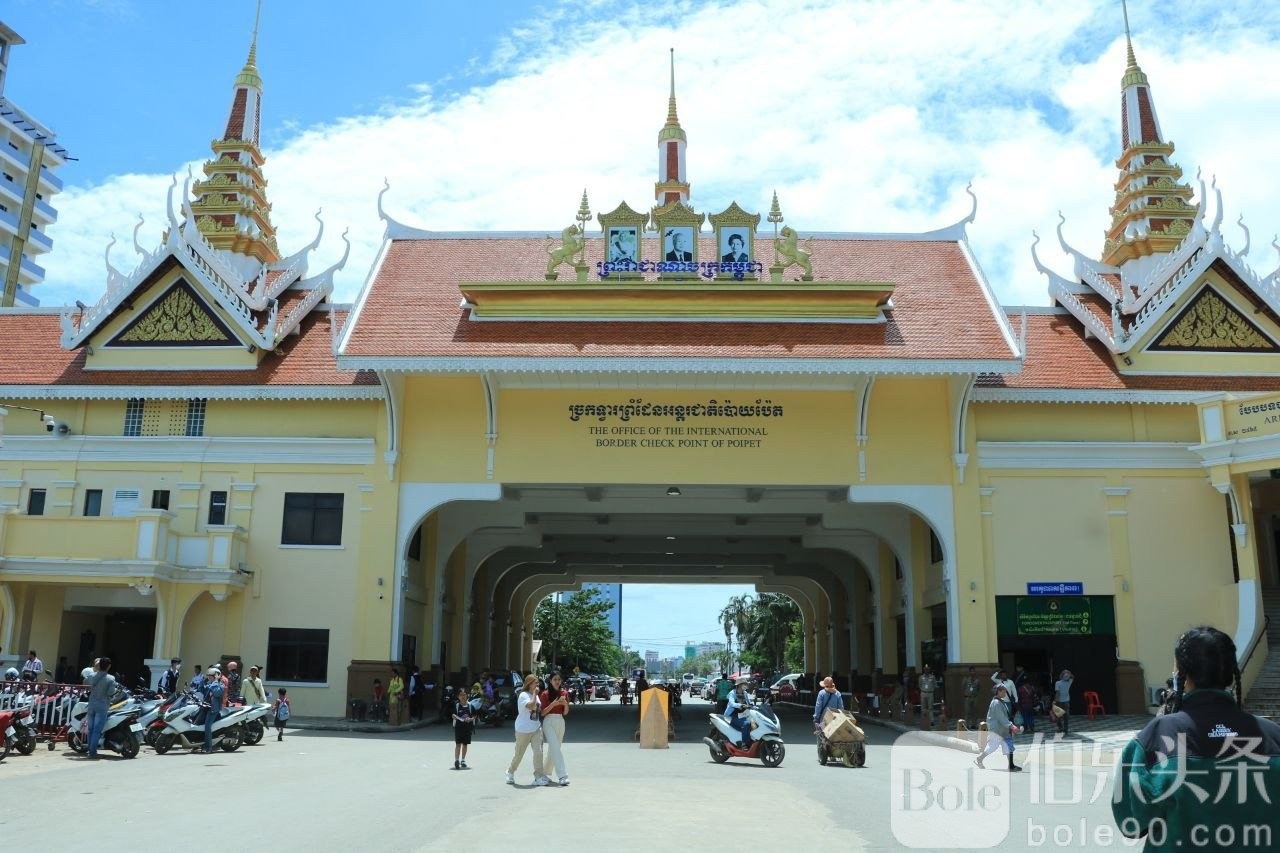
{"x":179,"y":318}
{"x":1209,"y":323}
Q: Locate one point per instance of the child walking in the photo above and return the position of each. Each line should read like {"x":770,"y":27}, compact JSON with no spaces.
{"x":462,"y":728}
{"x":283,"y":711}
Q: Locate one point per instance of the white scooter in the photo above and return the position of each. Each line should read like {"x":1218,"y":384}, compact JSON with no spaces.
{"x":764,"y":740}
{"x":121,"y":733}
{"x":182,"y":730}
{"x":253,"y":720}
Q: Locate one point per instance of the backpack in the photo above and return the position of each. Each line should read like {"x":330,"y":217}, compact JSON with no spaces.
{"x":282,"y":709}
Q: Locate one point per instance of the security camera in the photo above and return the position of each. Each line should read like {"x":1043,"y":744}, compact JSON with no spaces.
{"x":48,"y":421}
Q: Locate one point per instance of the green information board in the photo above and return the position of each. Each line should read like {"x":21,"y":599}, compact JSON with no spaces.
{"x":1039,"y":615}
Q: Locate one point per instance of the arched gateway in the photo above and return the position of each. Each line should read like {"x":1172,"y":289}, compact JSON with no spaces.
{"x":849,"y":418}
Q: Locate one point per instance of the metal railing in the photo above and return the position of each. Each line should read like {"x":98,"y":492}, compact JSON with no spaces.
{"x":50,"y":705}
{"x":1253,"y":647}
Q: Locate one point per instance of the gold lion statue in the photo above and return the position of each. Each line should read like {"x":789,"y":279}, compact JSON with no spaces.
{"x":789,"y":251}
{"x":571,"y":243}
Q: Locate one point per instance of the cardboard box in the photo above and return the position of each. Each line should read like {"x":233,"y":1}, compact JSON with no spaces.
{"x":840,"y":727}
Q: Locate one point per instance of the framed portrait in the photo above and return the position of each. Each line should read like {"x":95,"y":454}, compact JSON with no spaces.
{"x":621,"y":244}
{"x":735,"y":245}
{"x":677,"y":243}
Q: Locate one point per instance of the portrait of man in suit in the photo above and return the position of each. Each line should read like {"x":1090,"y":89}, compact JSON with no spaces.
{"x":679,"y":243}
{"x":737,"y":250}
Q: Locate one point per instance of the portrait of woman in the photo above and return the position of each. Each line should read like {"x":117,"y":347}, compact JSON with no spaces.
{"x":733,"y":246}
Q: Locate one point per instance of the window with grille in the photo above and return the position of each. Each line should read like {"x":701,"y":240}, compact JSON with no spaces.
{"x":298,"y":654}
{"x":165,"y":417}
{"x":93,"y":502}
{"x":312,"y":519}
{"x":35,"y":502}
{"x":217,"y":507}
{"x":195,"y":416}
{"x":133,"y":410}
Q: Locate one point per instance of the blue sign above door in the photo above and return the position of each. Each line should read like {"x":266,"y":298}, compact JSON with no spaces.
{"x":1055,"y":588}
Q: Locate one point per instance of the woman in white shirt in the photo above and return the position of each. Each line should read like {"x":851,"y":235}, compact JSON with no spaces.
{"x":528,"y":729}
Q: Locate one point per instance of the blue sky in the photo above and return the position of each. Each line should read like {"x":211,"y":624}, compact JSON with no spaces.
{"x":177,"y":100}
{"x":862,"y":115}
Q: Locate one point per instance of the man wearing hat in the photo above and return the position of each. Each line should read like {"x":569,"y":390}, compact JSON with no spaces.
{"x":1000,"y":728}
{"x":736,"y":706}
{"x":829,"y":699}
{"x":251,"y":689}
{"x":169,"y":679}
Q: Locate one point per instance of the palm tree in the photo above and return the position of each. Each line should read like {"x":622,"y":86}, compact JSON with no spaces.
{"x":736,"y":616}
{"x":773,"y":615}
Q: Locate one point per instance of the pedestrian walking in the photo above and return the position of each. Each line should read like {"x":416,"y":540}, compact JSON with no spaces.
{"x":251,"y":688}
{"x":463,"y":725}
{"x":970,"y":687}
{"x":101,"y":688}
{"x":395,"y":693}
{"x":415,"y":694}
{"x":283,"y":710}
{"x":555,"y":707}
{"x":1206,"y":776}
{"x":1027,"y":705}
{"x":528,"y":729}
{"x":1000,"y":729}
{"x":1061,"y":707}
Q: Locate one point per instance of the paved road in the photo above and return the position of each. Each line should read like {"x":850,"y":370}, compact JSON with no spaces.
{"x":334,"y":791}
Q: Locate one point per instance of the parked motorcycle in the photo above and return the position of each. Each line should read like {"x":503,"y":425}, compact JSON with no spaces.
{"x":183,"y":731}
{"x":764,"y":741}
{"x":16,"y":732}
{"x":121,"y":733}
{"x":485,"y":715}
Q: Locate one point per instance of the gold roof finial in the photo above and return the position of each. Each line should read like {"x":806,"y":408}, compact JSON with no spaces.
{"x":672,"y":129}
{"x":248,"y":75}
{"x":1132,"y":74}
{"x":672,"y":119}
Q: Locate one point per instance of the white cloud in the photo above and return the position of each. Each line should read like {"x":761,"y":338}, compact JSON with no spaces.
{"x":864,"y":116}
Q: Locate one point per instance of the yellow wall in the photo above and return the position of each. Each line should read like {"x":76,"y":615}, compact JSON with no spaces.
{"x":1181,"y":559}
{"x":1048,"y":529}
{"x":1081,"y":422}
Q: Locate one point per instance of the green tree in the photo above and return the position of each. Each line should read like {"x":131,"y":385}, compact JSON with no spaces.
{"x":772,"y":617}
{"x":579,"y":628}
{"x":735,"y":617}
{"x":766,"y":626}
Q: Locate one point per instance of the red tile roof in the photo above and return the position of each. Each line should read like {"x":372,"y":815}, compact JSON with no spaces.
{"x":412,"y":307}
{"x":31,"y":355}
{"x":1058,"y":356}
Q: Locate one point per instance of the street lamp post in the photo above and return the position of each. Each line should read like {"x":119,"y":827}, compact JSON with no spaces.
{"x":555,"y":646}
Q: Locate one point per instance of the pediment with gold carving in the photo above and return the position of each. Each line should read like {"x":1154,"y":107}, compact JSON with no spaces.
{"x":1211,"y":323}
{"x":178,"y":318}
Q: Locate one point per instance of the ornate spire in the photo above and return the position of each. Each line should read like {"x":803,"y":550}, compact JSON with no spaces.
{"x":248,"y":75}
{"x":672,"y":129}
{"x":1153,"y":210}
{"x":230,"y":204}
{"x":671,"y":185}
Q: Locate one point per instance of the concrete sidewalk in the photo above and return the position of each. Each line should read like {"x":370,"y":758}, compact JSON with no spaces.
{"x":341,"y":724}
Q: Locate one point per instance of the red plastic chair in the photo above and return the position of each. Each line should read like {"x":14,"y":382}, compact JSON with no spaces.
{"x":1093,"y":704}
